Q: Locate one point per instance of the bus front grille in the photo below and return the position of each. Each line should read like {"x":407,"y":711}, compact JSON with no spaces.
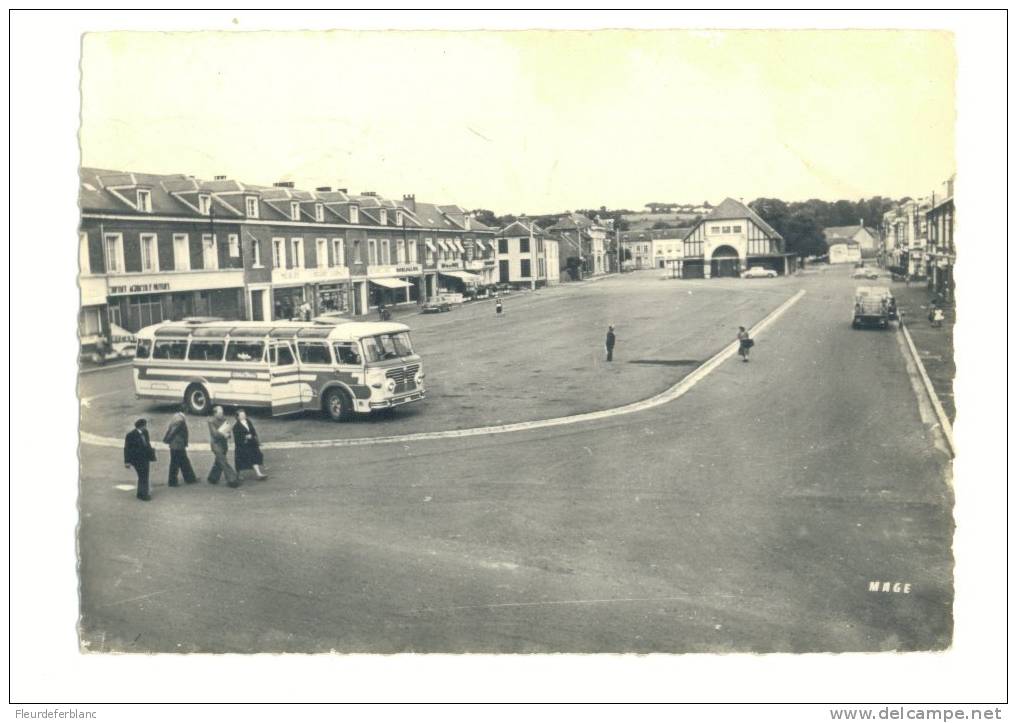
{"x":404,"y":374}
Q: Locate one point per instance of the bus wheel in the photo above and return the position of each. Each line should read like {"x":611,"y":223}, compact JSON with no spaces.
{"x":338,"y":405}
{"x":196,"y":399}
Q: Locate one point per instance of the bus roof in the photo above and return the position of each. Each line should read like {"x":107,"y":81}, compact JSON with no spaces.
{"x":344,"y":330}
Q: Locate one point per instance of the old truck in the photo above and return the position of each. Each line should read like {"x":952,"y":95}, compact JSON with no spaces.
{"x":872,"y":307}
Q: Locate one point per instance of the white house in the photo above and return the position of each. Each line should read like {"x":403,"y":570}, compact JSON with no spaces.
{"x":867,"y":239}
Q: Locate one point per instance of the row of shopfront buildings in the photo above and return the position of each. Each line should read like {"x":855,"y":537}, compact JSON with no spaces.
{"x":918,"y":239}
{"x":157,"y":247}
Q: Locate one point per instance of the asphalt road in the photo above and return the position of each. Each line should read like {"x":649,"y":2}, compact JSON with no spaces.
{"x":751,"y":514}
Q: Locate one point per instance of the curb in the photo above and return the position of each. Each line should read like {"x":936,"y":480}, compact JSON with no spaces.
{"x":937,"y":406}
{"x":668,"y":395}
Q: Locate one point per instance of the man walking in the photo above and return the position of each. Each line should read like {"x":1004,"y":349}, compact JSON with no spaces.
{"x":176,"y":438}
{"x":218,"y":431}
{"x":138,"y":453}
{"x":609,"y":343}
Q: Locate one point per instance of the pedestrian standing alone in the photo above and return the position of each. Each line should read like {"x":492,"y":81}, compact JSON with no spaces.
{"x":497,"y":305}
{"x":138,"y":453}
{"x":218,"y":432}
{"x":609,"y":343}
{"x":176,"y":438}
{"x":744,"y":343}
{"x":247,"y":452}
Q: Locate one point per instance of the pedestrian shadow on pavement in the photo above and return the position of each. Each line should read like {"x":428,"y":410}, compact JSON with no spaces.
{"x":668,"y":362}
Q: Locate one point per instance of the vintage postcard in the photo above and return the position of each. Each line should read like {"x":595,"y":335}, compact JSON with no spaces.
{"x":600,"y":341}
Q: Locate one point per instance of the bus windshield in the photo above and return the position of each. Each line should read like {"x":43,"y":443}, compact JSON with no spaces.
{"x":387,"y":346}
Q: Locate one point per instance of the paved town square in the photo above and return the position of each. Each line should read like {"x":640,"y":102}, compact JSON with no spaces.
{"x":765,"y":507}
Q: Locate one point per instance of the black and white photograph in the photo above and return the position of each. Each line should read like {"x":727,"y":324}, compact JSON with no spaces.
{"x":518,"y":341}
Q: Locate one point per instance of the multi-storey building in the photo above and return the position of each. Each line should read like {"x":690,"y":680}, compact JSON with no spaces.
{"x":155,"y":247}
{"x":941,"y":252}
{"x":730,"y":240}
{"x":526,"y":255}
{"x":905,"y":237}
{"x":654,"y":248}
{"x":583,"y":239}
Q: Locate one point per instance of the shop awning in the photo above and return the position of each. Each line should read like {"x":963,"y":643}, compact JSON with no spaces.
{"x":479,"y":243}
{"x":430,"y":244}
{"x":459,"y":246}
{"x":445,"y":245}
{"x":391,"y":283}
{"x":462,"y":276}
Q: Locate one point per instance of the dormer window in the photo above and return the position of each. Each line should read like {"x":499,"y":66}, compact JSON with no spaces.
{"x":354,"y":214}
{"x":399,"y":218}
{"x":204,"y":204}
{"x":252,"y":206}
{"x":144,"y":201}
{"x":384,"y":217}
{"x":295,"y":211}
{"x":319,"y":213}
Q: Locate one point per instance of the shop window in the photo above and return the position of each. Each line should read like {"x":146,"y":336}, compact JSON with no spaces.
{"x":114,"y":253}
{"x":143,"y":311}
{"x":245,"y":351}
{"x":170,"y":349}
{"x":209,"y":251}
{"x":206,"y":350}
{"x":114,"y":316}
{"x":234,"y":244}
{"x":277,"y":253}
{"x":313,"y":352}
{"x":181,"y":252}
{"x":347,"y":352}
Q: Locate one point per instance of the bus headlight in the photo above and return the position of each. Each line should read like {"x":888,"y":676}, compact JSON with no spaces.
{"x":391,"y":386}
{"x":419,"y":380}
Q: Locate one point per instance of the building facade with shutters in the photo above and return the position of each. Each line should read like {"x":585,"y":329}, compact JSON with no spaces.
{"x":158,"y":247}
{"x":730,"y":240}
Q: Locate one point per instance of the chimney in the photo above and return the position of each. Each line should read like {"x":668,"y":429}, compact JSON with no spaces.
{"x":369,"y":194}
{"x":410,"y":201}
{"x":324,"y":189}
{"x":343,"y":190}
{"x":220,"y":178}
{"x":283,"y":184}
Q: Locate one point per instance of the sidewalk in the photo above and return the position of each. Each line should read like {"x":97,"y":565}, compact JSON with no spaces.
{"x":935,"y":346}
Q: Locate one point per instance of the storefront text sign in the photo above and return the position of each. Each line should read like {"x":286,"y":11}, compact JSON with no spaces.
{"x":449,"y":265}
{"x":175,"y":281}
{"x":311,"y":276}
{"x":399,"y":270}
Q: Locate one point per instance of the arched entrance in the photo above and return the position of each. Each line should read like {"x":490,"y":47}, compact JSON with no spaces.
{"x":724,"y":262}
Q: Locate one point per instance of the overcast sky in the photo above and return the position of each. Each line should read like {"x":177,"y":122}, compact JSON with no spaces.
{"x":531,"y":121}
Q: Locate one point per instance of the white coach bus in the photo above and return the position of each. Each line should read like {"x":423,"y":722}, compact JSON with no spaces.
{"x":340,"y":369}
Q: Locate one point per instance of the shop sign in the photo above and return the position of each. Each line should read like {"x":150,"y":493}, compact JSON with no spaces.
{"x":175,"y":281}
{"x":449,"y":265}
{"x":399,"y":270}
{"x":315,"y":275}
{"x":480,"y":264}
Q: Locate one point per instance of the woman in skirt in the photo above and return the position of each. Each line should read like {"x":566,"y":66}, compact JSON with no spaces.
{"x":246,"y":445}
{"x":744,"y":343}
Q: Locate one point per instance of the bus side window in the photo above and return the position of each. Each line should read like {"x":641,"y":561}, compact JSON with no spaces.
{"x":206,"y":350}
{"x":346,"y":352}
{"x":245,"y":351}
{"x":170,"y":349}
{"x":313,"y":352}
{"x":280,"y":355}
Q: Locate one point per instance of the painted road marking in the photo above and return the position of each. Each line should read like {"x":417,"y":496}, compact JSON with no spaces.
{"x":668,"y":395}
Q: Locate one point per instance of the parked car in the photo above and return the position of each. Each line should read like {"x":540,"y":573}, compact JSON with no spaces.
{"x":436,"y":305}
{"x":758,"y":272}
{"x":864,"y":273}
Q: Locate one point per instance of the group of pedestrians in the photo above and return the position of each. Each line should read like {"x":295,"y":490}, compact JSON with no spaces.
{"x":139,"y":453}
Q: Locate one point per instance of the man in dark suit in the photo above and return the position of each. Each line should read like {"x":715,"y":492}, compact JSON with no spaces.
{"x":176,"y":438}
{"x":138,"y":453}
{"x":609,"y":343}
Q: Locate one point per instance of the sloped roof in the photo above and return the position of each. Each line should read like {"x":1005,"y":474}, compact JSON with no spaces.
{"x":678,"y":232}
{"x":731,"y":209}
{"x":520,"y":228}
{"x":845,"y":231}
